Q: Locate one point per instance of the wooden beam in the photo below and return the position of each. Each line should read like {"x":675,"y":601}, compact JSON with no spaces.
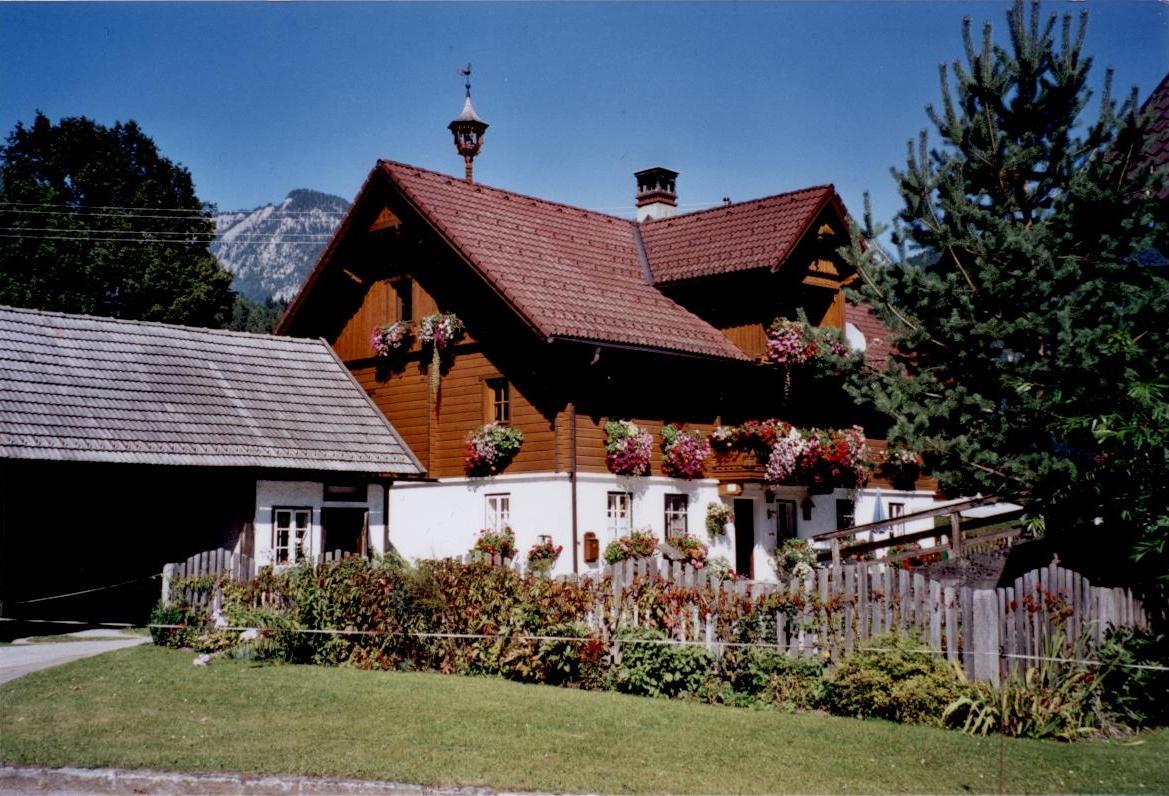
{"x":949,"y":508}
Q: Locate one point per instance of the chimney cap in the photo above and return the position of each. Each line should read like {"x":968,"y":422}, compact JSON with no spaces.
{"x":656,"y":171}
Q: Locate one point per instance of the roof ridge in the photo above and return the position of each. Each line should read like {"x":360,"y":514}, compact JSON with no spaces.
{"x":163,"y":324}
{"x":824,"y":186}
{"x":516,"y":194}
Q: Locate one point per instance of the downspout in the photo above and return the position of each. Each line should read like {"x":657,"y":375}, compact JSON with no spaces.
{"x":389,"y":482}
{"x":572,"y":481}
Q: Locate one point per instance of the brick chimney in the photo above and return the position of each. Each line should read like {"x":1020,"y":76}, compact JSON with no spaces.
{"x":656,"y":195}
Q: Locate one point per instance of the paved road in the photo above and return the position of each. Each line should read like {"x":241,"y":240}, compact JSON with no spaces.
{"x":18,"y":660}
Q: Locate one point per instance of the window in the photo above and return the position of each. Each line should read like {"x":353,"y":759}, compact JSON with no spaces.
{"x":290,"y":534}
{"x":403,"y":300}
{"x":340,"y":492}
{"x":845,"y":513}
{"x":498,"y":400}
{"x":498,"y":512}
{"x":619,"y":513}
{"x":897,"y":510}
{"x":676,"y":511}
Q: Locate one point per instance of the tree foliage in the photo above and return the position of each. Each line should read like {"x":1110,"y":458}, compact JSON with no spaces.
{"x":1032,"y":359}
{"x":97,"y":221}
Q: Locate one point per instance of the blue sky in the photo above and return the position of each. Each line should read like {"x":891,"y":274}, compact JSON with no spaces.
{"x":743,"y":99}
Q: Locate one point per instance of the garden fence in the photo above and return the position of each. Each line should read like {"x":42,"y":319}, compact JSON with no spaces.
{"x":831,"y":612}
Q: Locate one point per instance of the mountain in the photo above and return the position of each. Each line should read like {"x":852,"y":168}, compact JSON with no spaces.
{"x":271,"y":249}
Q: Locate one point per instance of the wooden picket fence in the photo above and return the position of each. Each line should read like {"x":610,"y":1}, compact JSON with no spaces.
{"x":198,"y":572}
{"x":830,"y":613}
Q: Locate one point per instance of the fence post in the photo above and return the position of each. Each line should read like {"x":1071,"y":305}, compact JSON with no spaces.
{"x":168,"y":572}
{"x":956,"y":535}
{"x":984,"y":637}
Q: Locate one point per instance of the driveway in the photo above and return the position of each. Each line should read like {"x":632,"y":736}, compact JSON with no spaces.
{"x":18,"y":659}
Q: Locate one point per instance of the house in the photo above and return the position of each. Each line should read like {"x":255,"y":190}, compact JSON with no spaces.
{"x":125,"y":445}
{"x":571,"y":319}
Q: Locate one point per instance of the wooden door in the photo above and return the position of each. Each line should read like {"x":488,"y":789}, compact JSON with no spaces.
{"x":745,"y":537}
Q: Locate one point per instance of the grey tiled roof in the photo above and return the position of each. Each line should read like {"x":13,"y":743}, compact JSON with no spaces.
{"x":80,"y":388}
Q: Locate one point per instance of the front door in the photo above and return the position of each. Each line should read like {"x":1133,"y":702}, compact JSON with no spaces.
{"x":343,"y":530}
{"x":744,"y":537}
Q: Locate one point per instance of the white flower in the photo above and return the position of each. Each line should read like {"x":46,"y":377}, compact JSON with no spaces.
{"x":251,"y":634}
{"x":203,"y":660}
{"x":219,"y":620}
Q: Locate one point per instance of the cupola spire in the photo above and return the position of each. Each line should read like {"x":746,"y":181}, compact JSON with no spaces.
{"x":468,"y":128}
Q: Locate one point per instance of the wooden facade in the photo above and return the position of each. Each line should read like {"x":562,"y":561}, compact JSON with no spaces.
{"x":561,"y":392}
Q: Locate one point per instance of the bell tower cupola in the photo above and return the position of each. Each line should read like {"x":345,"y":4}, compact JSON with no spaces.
{"x":468,"y":128}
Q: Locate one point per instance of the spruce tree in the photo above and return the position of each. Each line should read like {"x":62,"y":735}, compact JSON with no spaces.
{"x":96,"y":221}
{"x":1032,"y":357}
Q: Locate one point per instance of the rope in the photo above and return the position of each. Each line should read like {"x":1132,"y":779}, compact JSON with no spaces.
{"x":570,"y":639}
{"x":86,"y":591}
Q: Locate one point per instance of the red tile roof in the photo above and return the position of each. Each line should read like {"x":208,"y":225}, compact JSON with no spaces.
{"x":571,"y":272}
{"x":877,"y":336}
{"x":575,"y":273}
{"x":738,"y":237}
{"x":1156,"y":149}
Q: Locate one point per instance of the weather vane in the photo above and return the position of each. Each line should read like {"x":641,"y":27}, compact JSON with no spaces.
{"x":466,"y":72}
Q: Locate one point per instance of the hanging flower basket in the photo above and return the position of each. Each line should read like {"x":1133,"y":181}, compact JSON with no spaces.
{"x":718,"y":514}
{"x":821,"y":459}
{"x":627,"y":448}
{"x":900,"y":465}
{"x":490,"y":448}
{"x":542,"y":556}
{"x":439,"y":331}
{"x":684,"y":453}
{"x":391,"y":338}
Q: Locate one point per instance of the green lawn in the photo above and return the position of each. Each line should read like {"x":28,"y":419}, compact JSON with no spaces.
{"x":149,"y":707}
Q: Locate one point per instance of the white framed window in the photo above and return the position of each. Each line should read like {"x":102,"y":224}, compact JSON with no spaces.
{"x":677,"y":508}
{"x":619,"y":513}
{"x":498,"y":512}
{"x":897,"y":510}
{"x":291,"y":534}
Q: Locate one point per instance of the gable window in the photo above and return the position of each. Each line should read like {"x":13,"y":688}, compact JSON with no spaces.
{"x":498,"y":400}
{"x":498,"y":514}
{"x":403,"y":299}
{"x":290,"y":534}
{"x":845,"y":513}
{"x":619,"y":513}
{"x":676,"y":510}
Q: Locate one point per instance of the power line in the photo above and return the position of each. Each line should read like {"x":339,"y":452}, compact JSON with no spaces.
{"x":171,"y":241}
{"x":135,"y":215}
{"x":73,"y":209}
{"x":212,"y":235}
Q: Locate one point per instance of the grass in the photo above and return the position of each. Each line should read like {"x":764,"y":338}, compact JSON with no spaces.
{"x":147,"y":707}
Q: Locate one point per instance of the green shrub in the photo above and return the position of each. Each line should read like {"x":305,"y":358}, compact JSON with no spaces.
{"x":902,"y":684}
{"x":1135,"y":697}
{"x":659,"y":669}
{"x":177,"y":637}
{"x":772,"y":676}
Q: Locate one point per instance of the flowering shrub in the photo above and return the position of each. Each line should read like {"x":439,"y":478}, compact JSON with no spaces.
{"x":638,"y":544}
{"x":542,"y":555}
{"x":683,"y":452}
{"x":440,"y":330}
{"x":793,"y":559}
{"x":718,"y":514}
{"x":491,"y":448}
{"x":627,"y":448}
{"x":693,"y":551}
{"x":391,"y":337}
{"x":495,"y":543}
{"x":720,"y":568}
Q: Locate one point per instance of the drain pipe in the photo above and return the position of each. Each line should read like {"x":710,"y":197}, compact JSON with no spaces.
{"x":572,"y":481}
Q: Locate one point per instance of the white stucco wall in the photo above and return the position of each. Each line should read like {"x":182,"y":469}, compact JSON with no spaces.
{"x":310,"y":494}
